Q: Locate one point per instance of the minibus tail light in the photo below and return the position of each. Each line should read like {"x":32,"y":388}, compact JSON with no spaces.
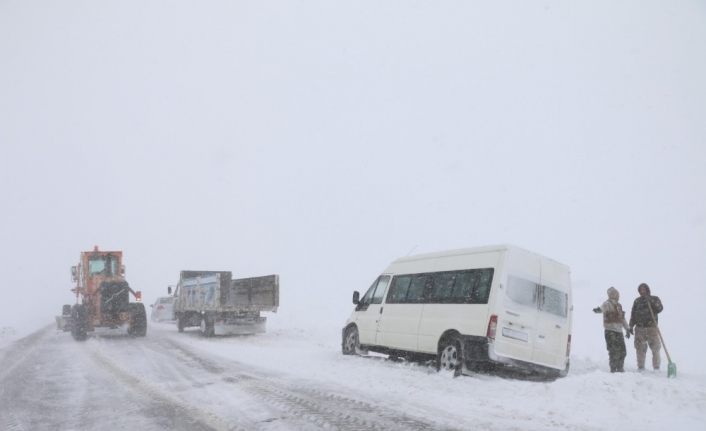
{"x":492,"y":326}
{"x":568,"y":346}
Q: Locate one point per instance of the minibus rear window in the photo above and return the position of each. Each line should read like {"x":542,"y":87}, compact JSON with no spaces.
{"x":522,"y":291}
{"x":554,"y":301}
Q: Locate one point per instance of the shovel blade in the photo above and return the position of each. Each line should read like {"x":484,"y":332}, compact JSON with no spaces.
{"x":671,"y":370}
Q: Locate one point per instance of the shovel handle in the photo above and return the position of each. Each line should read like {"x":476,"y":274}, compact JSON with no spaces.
{"x":658,"y":331}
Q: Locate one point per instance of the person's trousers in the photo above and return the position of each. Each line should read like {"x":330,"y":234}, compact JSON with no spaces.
{"x":644,"y":337}
{"x":616,"y":350}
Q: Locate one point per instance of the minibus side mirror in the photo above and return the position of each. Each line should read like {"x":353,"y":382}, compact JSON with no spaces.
{"x":169,"y":290}
{"x":356,"y":297}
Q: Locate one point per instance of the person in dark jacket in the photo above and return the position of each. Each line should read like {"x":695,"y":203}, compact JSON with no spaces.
{"x":645,"y":326}
{"x":613,"y":324}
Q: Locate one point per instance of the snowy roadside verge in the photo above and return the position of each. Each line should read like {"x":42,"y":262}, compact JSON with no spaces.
{"x":9,"y":333}
{"x":589,"y":398}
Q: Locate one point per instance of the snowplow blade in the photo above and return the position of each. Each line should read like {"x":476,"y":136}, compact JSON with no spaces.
{"x":63,"y":323}
{"x":241,"y":326}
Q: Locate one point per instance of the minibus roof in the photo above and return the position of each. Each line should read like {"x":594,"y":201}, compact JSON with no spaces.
{"x":474,"y":250}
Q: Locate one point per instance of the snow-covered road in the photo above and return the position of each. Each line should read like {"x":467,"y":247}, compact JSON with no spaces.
{"x":51,"y":382}
{"x":296,"y":379}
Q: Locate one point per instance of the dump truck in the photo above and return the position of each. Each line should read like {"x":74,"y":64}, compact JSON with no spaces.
{"x":221,"y":305}
{"x":102,"y":297}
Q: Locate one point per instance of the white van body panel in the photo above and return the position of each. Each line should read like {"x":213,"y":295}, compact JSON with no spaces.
{"x":551,"y":350}
{"x":399,"y":326}
{"x":467,"y":318}
{"x":368,"y":320}
{"x":435,"y":321}
{"x":524,"y":286}
{"x":517,"y":321}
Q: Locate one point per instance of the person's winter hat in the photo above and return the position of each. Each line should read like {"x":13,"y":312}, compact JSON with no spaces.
{"x":613,"y":293}
{"x":647,"y":288}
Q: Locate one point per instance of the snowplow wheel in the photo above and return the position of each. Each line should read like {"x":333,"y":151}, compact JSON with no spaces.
{"x":180,"y":324}
{"x":138,"y":320}
{"x":450,"y":355}
{"x":80,"y":322}
{"x":351,"y":342}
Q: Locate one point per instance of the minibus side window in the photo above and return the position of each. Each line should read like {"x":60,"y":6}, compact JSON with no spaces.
{"x":462,"y":289}
{"x":415,"y":293}
{"x":380,"y":291}
{"x":443,"y":286}
{"x":554,"y":301}
{"x":481,"y":290}
{"x":522,"y":291}
{"x":398,"y":291}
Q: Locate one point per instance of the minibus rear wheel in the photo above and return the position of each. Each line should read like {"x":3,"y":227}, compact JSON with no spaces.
{"x":450,"y":355}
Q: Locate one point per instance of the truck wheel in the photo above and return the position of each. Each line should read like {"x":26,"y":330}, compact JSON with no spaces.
{"x":450,"y":355}
{"x":207,"y":329}
{"x":351,"y":342}
{"x":180,"y":324}
{"x":138,"y":319}
{"x":79,"y":316}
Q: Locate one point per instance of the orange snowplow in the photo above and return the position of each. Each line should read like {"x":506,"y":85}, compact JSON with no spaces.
{"x":102,"y":297}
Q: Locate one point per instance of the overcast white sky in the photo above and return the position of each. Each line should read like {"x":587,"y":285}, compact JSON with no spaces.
{"x":322,"y":139}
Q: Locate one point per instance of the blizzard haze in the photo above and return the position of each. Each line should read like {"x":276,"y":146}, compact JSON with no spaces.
{"x":320,"y":140}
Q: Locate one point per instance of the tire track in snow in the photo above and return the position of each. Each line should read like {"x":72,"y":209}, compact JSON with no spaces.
{"x":197,"y":419}
{"x":16,"y":356}
{"x":52,"y":382}
{"x":11,"y":422}
{"x":16,"y":353}
{"x":316,"y":406}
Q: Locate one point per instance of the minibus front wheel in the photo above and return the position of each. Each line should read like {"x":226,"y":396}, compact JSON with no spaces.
{"x":351,"y":343}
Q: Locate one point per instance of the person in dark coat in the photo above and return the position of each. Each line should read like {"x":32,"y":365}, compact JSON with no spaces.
{"x":645,"y":326}
{"x":613,"y":324}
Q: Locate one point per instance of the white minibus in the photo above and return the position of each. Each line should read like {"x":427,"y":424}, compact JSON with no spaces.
{"x":471,"y":309}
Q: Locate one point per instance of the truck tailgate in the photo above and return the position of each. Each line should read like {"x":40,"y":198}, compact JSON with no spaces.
{"x":255,"y":293}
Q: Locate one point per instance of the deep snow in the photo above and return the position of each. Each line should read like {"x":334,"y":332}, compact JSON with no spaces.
{"x":589,"y":398}
{"x":305,"y":350}
{"x":345,"y":134}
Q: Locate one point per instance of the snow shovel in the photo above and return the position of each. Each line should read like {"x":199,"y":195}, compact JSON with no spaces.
{"x":671,"y":366}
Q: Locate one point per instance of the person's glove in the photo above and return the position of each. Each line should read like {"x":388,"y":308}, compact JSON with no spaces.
{"x":627,"y":334}
{"x":597,"y":310}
